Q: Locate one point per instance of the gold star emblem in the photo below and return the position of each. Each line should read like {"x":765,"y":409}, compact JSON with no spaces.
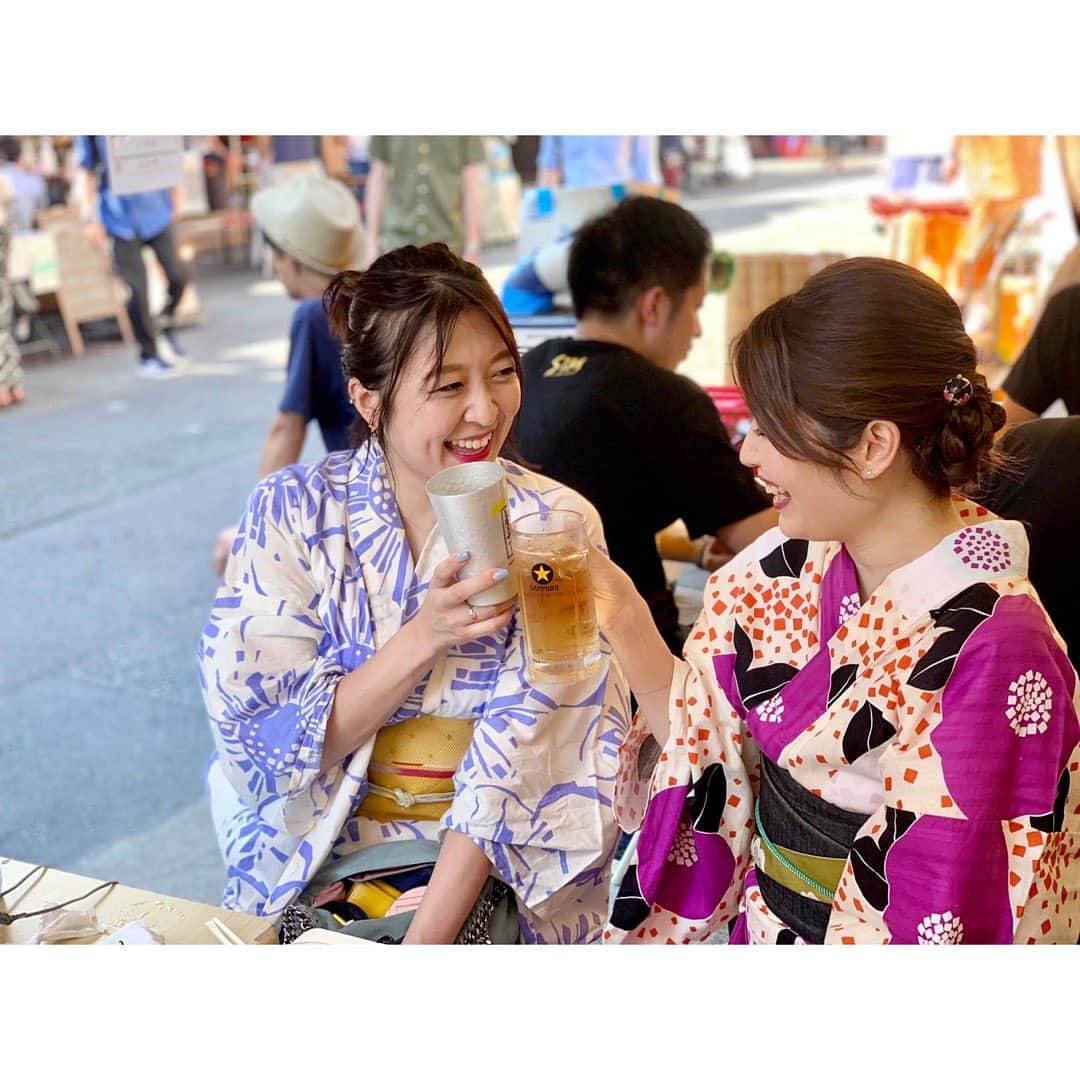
{"x":542,"y":574}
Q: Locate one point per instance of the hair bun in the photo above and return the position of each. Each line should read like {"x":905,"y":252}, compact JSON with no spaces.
{"x":965,"y":437}
{"x":338,"y":301}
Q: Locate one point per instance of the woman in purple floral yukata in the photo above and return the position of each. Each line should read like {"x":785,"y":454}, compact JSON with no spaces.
{"x":873,"y":734}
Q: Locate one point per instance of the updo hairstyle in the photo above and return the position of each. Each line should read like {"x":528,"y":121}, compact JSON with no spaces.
{"x":382,"y":315}
{"x":868,"y":339}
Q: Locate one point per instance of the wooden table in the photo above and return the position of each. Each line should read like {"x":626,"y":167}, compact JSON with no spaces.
{"x":179,"y":922}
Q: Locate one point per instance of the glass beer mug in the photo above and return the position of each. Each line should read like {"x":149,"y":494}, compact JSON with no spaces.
{"x":551,"y":559}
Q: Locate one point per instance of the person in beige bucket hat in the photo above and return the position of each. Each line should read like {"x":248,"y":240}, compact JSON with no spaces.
{"x":312,"y":220}
{"x":312,"y":226}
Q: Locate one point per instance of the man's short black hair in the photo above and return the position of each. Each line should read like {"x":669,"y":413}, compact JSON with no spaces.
{"x":275,"y":248}
{"x":639,"y":243}
{"x":10,"y":148}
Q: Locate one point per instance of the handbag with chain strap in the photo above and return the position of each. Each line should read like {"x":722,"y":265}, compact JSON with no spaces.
{"x":493,"y":919}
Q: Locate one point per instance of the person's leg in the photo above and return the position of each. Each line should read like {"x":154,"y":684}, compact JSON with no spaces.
{"x":127,"y":258}
{"x":11,"y":372}
{"x":176,"y":272}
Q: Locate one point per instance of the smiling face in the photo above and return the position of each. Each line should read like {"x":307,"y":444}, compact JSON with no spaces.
{"x":462,"y":415}
{"x":812,"y":501}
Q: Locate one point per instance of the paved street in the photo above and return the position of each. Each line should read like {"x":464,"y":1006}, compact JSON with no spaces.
{"x":113,"y":489}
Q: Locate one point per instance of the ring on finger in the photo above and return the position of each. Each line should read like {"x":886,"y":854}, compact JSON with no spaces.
{"x":472,"y":612}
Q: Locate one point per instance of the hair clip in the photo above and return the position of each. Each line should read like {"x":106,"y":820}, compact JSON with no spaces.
{"x":958,"y":390}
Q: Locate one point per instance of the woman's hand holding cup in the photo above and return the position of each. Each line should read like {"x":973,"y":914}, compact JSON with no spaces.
{"x":447,"y":618}
{"x":616,"y":598}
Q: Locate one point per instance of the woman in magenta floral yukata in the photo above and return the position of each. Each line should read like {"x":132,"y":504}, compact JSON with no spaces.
{"x":873,"y":734}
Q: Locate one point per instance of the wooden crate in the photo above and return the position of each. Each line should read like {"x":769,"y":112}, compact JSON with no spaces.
{"x":762,"y":279}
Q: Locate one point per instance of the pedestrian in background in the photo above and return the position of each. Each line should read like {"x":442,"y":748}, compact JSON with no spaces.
{"x":311,"y":227}
{"x":283,"y":157}
{"x":346,"y":159}
{"x":11,"y":372}
{"x":425,"y":189}
{"x":833,"y":156}
{"x":28,"y":190}
{"x":577,"y":161}
{"x":131,"y":223}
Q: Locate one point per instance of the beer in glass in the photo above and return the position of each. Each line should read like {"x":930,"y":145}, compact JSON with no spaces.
{"x":551,"y":559}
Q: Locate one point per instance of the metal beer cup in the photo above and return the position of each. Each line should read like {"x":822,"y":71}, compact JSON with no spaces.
{"x":470,"y":505}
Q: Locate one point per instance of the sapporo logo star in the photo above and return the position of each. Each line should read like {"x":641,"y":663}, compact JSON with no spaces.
{"x":542,"y":574}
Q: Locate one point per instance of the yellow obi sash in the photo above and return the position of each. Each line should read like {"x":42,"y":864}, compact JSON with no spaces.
{"x":411,"y":773}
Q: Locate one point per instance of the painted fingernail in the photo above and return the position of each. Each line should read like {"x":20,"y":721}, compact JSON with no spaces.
{"x":462,"y":556}
{"x":500,"y":575}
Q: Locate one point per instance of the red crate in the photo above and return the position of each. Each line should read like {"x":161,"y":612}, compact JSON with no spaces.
{"x":731,"y":406}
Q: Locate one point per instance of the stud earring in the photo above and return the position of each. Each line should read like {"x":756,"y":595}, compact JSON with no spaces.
{"x":869,"y":473}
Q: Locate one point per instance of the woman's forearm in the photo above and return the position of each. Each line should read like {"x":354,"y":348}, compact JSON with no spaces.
{"x":647,"y":663}
{"x":460,"y":872}
{"x":367,"y":697}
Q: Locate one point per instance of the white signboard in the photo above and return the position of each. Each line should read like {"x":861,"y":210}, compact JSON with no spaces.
{"x":144,"y":162}
{"x":33,"y":258}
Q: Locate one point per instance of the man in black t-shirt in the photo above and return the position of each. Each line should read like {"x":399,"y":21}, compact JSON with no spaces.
{"x":1039,"y":488}
{"x":1049,"y":367}
{"x":605,"y":412}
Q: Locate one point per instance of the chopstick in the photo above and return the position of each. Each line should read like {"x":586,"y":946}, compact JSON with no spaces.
{"x":224,"y":935}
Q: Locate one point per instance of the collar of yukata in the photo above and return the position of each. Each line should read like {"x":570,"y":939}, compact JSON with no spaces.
{"x":985,"y":548}
{"x":369,"y":470}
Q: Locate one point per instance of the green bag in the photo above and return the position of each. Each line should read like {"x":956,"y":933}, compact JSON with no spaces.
{"x":493,"y":919}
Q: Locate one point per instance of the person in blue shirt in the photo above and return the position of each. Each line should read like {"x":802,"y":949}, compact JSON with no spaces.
{"x":29,"y":192}
{"x":132,"y":222}
{"x":312,"y":227}
{"x":577,"y":161}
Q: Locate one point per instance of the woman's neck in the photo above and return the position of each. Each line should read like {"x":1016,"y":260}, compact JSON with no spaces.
{"x":417,"y":514}
{"x":414,"y":507}
{"x":907,"y":528}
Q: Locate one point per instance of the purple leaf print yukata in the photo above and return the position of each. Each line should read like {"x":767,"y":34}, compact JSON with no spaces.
{"x":320,"y":577}
{"x":940,"y":716}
